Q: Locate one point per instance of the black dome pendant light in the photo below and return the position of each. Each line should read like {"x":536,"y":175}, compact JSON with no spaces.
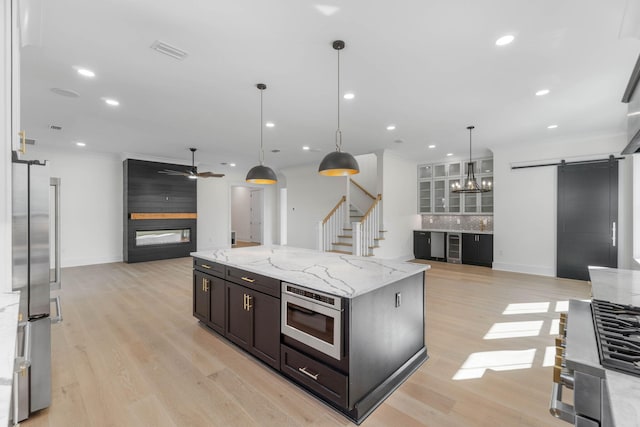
{"x":338,"y":163}
{"x":261,"y":174}
{"x":470,"y":184}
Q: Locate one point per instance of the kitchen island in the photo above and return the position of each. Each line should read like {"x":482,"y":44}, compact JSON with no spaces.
{"x":348,"y":329}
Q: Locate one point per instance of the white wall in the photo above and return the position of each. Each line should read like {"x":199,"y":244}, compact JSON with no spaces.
{"x":310,"y":197}
{"x":241,"y":212}
{"x":368,"y":173}
{"x":525,"y":202}
{"x":399,"y":189}
{"x":90,"y":204}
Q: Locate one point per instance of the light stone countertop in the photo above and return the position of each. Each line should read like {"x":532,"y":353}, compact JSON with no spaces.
{"x":621,"y":287}
{"x":336,"y":274}
{"x":457,"y":231}
{"x":9,"y":303}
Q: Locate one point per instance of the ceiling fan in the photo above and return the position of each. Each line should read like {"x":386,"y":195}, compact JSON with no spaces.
{"x":191,"y":173}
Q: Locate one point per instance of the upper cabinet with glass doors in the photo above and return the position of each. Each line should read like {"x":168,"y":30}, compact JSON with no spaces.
{"x":436,"y":182}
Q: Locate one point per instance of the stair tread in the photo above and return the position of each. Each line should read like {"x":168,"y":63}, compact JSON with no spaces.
{"x":345,"y":236}
{"x":376,"y":238}
{"x":342,"y":244}
{"x":335,"y":251}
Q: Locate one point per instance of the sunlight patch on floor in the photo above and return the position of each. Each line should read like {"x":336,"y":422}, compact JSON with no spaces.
{"x":477,"y":363}
{"x":555,"y":327}
{"x":549,"y":356}
{"x":514,"y":329}
{"x":527,"y":308}
{"x":562,"y":306}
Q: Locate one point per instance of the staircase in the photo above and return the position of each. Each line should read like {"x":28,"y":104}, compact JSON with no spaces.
{"x":344,"y":242}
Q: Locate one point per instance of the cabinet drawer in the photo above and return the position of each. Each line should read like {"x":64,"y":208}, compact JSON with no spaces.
{"x":318,"y":377}
{"x":209,"y":267}
{"x":264,"y":284}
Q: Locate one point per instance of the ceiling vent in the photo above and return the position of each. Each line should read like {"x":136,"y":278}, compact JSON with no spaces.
{"x":167,"y":49}
{"x":55,"y":127}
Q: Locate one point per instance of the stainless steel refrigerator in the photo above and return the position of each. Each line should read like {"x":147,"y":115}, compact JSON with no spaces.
{"x":31,"y":273}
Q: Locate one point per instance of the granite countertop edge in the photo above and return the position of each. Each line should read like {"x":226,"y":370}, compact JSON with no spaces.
{"x":320,"y":284}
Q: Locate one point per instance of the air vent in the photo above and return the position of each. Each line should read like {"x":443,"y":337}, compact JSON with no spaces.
{"x":55,"y":127}
{"x":169,"y":50}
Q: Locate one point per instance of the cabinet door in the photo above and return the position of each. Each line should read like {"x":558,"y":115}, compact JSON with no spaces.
{"x":12,"y":59}
{"x":217,"y":307}
{"x":485,"y":249}
{"x":238,"y":327}
{"x":201,"y":297}
{"x":455,"y":169}
{"x":454,"y":198}
{"x":266,"y":328}
{"x":424,"y":197}
{"x":439,"y":171}
{"x":486,"y":199}
{"x":471,"y":202}
{"x":421,"y":244}
{"x":469,"y":249}
{"x":425,"y":172}
{"x":439,"y":196}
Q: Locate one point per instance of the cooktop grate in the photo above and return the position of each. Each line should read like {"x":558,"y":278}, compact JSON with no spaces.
{"x":617,"y":329}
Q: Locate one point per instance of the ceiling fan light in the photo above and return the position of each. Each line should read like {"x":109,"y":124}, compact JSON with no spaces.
{"x":338,"y":163}
{"x":261,"y":175}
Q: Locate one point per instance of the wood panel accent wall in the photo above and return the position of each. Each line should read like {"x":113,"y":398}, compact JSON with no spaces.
{"x":155,"y":201}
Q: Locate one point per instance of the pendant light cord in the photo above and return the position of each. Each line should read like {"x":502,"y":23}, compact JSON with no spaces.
{"x":261,"y":147}
{"x":338,"y":131}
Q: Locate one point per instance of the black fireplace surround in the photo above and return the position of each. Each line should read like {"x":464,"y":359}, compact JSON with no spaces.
{"x":159,"y":212}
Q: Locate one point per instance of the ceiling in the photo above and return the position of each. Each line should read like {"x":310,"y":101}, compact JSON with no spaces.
{"x":430,"y":68}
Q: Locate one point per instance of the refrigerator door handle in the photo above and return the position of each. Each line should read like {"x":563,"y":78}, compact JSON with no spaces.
{"x":58,"y":317}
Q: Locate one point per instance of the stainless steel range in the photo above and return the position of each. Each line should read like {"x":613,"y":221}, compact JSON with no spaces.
{"x":598,"y":354}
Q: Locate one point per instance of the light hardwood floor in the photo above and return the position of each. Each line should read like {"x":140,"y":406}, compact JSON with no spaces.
{"x":129,"y":353}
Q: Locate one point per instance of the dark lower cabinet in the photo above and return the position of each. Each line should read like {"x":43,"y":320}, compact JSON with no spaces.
{"x":422,"y":244}
{"x":209,"y":301}
{"x":477,"y":249}
{"x":201,"y":299}
{"x":253,"y":323}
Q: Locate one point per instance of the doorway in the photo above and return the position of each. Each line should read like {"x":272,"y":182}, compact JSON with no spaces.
{"x":247,"y":216}
{"x":587,"y":217}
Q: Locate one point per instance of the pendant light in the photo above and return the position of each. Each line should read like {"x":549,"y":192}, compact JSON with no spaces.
{"x":338,"y":163}
{"x":470,"y":183}
{"x":261,"y":174}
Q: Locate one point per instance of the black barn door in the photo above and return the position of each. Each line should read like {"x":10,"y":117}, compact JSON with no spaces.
{"x":587,"y":218}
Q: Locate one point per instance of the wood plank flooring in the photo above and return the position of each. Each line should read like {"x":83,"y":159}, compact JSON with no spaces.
{"x":129,"y":353}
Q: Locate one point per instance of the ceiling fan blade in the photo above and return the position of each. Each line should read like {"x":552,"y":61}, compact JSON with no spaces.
{"x":174,"y":173}
{"x":210,"y":175}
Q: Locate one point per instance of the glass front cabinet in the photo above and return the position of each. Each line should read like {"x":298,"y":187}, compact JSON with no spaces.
{"x":437,"y":181}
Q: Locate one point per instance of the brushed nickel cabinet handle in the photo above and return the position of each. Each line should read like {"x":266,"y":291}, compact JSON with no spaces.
{"x":246,"y":279}
{"x":309,"y":374}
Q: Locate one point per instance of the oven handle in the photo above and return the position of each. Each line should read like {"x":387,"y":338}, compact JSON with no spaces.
{"x":300,"y":309}
{"x":558,"y":408}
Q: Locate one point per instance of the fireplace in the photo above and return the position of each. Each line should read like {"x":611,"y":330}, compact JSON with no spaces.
{"x":162,"y":237}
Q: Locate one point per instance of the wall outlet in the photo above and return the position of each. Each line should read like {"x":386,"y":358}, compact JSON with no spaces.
{"x":430,"y":220}
{"x":458,"y":221}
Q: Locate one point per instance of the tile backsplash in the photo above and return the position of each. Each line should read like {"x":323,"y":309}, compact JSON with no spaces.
{"x":450,"y":222}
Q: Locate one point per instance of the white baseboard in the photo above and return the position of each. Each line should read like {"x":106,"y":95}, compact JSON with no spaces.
{"x":526,"y":269}
{"x":77,"y":262}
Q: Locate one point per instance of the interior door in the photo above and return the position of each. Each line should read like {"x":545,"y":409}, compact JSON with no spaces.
{"x":256,"y":216}
{"x":587,"y":218}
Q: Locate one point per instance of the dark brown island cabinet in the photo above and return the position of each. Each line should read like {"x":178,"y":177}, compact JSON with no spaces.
{"x":382,"y":334}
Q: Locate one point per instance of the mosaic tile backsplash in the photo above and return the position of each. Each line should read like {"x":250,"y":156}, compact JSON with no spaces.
{"x":450,"y":222}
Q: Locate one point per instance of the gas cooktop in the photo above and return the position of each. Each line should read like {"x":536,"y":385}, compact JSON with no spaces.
{"x":617,"y":328}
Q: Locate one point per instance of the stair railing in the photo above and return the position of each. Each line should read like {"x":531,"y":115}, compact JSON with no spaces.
{"x":359,"y":196}
{"x":331,"y":226}
{"x":367,"y":231}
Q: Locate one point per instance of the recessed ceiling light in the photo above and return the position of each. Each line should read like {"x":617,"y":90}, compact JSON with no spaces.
{"x":542,"y":92}
{"x":112,"y":102}
{"x":505,"y":40}
{"x":86,"y":72}
{"x":449,"y":154}
{"x":391,"y":127}
{"x":233,"y":165}
{"x":269,"y":124}
{"x":306,"y":148}
{"x":349,"y":95}
{"x":81,"y":144}
{"x":552,"y":126}
{"x":432,"y":146}
{"x":635,"y":113}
